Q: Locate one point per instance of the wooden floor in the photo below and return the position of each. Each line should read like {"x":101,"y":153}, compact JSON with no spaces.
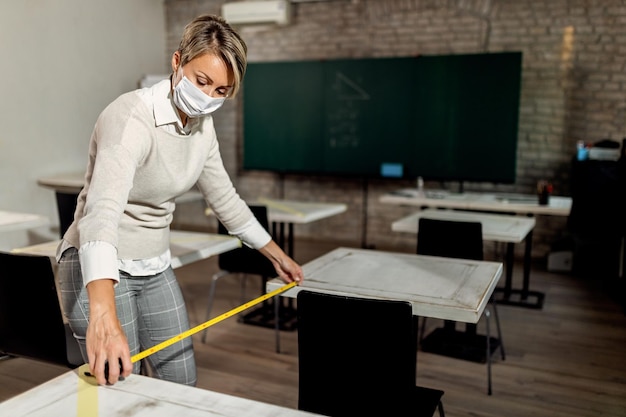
{"x":567,"y":359}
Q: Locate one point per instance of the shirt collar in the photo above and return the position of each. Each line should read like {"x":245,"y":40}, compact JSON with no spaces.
{"x":165,"y":111}
{"x":164,"y":107}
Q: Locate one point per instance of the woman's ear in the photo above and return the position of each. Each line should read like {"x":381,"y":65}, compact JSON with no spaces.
{"x":175,"y":61}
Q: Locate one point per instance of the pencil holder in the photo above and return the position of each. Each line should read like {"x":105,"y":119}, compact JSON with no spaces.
{"x":544,"y":189}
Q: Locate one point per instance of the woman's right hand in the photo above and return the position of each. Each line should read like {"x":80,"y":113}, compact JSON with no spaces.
{"x":106,"y":341}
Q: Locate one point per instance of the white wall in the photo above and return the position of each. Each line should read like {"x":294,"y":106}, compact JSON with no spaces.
{"x":62,"y":63}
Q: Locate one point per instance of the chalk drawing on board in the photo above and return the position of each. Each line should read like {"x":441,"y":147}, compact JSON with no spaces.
{"x":343,"y":113}
{"x":348,"y":89}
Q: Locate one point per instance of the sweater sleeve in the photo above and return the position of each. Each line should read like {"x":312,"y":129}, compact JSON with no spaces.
{"x":222,"y":197}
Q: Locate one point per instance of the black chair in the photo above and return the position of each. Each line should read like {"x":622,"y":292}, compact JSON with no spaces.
{"x":66,"y":206}
{"x":458,"y":239}
{"x":356,"y":357}
{"x":31,"y":322}
{"x":245,"y":261}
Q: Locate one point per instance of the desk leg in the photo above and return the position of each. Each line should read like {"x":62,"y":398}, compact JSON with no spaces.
{"x":290,"y":250}
{"x":527,"y":254}
{"x":284,"y":315}
{"x":523,"y":293}
{"x":466,"y":345}
{"x":510,"y":259}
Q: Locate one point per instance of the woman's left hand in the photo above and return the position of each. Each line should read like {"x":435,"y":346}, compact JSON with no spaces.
{"x":288,"y":269}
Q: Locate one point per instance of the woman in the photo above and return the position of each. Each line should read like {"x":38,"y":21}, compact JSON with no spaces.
{"x":149,"y":146}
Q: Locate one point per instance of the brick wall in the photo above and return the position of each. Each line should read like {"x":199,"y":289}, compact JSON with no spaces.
{"x":573,"y":83}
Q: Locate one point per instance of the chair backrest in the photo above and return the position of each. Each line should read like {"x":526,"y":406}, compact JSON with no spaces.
{"x":244,"y":259}
{"x":66,"y":206}
{"x":356,"y":356}
{"x":31,"y":323}
{"x":449,"y":238}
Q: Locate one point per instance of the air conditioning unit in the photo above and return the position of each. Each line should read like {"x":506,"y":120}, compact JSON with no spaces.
{"x":254,"y":12}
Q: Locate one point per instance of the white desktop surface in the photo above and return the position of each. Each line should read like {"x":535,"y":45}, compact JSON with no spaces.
{"x":502,"y":202}
{"x":496,"y":227}
{"x":289,"y":211}
{"x":186,"y":247}
{"x":300,"y":212}
{"x":68,"y":182}
{"x":11,"y":220}
{"x":72,"y":394}
{"x":444,"y":288}
{"x":72,"y":183}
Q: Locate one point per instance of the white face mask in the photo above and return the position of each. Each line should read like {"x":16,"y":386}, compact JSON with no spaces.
{"x":193,"y":101}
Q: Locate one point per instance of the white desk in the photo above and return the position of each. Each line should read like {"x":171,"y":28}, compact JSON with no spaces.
{"x":505,"y":203}
{"x":290,"y":212}
{"x":67,"y":186}
{"x":281,"y":212}
{"x":498,"y":228}
{"x":186,"y":247}
{"x":444,"y":288}
{"x":72,"y":394}
{"x":11,"y":220}
{"x":68,"y":182}
{"x":72,"y":183}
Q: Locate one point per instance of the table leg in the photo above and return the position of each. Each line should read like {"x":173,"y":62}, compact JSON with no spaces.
{"x":284,"y":315}
{"x":509,"y":261}
{"x":524,"y":294}
{"x":527,"y":254}
{"x":461,"y":344}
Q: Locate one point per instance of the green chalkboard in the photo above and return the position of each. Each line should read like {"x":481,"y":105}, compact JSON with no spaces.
{"x":440,"y":117}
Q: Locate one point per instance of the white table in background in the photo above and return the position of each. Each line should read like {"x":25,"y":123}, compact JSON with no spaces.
{"x":12,"y":220}
{"x":290,"y":212}
{"x":73,"y":395}
{"x":510,"y":203}
{"x":67,"y":186}
{"x":186,"y":247}
{"x":68,"y":182}
{"x":496,"y":202}
{"x":496,"y":227}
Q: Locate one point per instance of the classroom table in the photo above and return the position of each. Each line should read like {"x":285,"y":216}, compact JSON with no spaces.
{"x":496,"y":227}
{"x":13,"y":220}
{"x":74,"y":394}
{"x":185,"y":246}
{"x":290,"y":212}
{"x":282,"y":212}
{"x":511,"y":203}
{"x":67,"y":186}
{"x":72,"y":183}
{"x":437,"y":287}
{"x":497,"y":202}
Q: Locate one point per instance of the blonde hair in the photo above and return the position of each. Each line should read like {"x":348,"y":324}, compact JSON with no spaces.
{"x":212,"y":34}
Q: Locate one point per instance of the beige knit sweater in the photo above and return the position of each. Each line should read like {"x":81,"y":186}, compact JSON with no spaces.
{"x":135,"y":171}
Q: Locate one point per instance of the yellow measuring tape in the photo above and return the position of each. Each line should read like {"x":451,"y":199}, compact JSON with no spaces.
{"x":211,"y":322}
